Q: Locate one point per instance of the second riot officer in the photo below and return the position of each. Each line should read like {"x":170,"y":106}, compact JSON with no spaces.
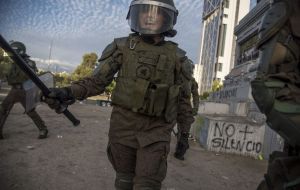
{"x":15,"y":78}
{"x":151,"y":72}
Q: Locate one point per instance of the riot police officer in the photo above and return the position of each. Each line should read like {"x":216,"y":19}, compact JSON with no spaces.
{"x":276,"y":90}
{"x":148,"y":91}
{"x":15,"y":78}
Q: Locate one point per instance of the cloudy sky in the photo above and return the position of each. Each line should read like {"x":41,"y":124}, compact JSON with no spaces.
{"x":77,"y":27}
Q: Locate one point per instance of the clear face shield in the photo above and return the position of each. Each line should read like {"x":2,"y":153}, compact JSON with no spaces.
{"x":18,"y":50}
{"x":151,"y":19}
{"x":18,"y":47}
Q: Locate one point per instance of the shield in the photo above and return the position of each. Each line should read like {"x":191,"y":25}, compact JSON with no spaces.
{"x":32,"y":92}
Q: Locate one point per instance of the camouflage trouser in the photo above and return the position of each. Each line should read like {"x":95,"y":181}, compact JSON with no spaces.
{"x":143,"y":168}
{"x":14,"y":96}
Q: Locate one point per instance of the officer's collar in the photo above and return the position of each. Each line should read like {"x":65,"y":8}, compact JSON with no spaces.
{"x":150,"y":40}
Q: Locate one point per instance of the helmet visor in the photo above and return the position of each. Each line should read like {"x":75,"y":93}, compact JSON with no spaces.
{"x":150,"y":19}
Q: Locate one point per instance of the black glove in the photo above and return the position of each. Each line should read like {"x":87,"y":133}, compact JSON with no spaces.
{"x":59,"y":99}
{"x":182,"y":146}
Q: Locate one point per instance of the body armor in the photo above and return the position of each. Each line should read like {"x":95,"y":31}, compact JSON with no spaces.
{"x":146,"y":80}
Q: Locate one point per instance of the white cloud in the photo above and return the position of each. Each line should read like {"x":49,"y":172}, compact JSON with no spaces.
{"x":53,"y":62}
{"x":84,"y":26}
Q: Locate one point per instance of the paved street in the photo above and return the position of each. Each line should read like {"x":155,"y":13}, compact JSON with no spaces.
{"x":75,"y":157}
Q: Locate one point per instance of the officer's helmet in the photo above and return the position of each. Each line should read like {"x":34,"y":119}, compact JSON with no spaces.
{"x":152,"y":16}
{"x":19,"y":47}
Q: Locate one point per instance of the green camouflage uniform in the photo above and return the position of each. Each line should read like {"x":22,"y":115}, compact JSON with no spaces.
{"x":184,"y":119}
{"x":276,"y":89}
{"x":15,"y":78}
{"x":145,"y":103}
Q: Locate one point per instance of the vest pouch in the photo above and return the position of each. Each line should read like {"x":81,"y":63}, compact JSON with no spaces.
{"x":172,"y":103}
{"x":130,"y":93}
{"x":157,"y":98}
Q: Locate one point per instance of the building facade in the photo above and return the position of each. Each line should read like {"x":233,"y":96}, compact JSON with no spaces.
{"x":218,"y":40}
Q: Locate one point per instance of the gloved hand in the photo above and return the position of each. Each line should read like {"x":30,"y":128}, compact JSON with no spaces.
{"x":182,"y":146}
{"x":194,"y":111}
{"x":59,"y":99}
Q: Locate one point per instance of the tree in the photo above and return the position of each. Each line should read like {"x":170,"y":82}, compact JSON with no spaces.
{"x":1,"y":54}
{"x":86,"y":67}
{"x":5,"y":64}
{"x":204,"y":96}
{"x":216,"y":85}
{"x":62,"y":79}
{"x":110,"y":87}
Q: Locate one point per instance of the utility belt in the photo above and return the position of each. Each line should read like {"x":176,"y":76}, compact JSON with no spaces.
{"x":147,"y":98}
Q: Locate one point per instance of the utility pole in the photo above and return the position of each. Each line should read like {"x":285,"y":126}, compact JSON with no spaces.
{"x":50,"y":51}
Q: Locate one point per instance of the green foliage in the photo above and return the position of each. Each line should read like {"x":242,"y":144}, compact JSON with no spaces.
{"x":86,"y":67}
{"x":62,"y":79}
{"x":110,"y":88}
{"x":1,"y":54}
{"x":5,"y":64}
{"x":216,"y":85}
{"x":204,"y":96}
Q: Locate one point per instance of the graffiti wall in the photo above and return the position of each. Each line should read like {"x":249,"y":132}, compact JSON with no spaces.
{"x":238,"y":138}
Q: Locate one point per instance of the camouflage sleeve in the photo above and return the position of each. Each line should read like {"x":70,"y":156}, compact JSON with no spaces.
{"x":109,"y":64}
{"x":185,"y":116}
{"x":195,"y":94}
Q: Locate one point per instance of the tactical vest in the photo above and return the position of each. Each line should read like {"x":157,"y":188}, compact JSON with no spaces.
{"x":146,"y":80}
{"x":16,"y":76}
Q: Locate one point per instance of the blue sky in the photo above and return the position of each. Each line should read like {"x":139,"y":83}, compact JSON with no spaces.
{"x":83,"y":26}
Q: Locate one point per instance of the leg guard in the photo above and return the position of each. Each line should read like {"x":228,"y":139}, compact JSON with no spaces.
{"x":124,"y":181}
{"x":151,"y":166}
{"x":123,"y":160}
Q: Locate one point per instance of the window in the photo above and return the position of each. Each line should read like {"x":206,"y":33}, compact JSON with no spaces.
{"x":220,"y":66}
{"x":226,"y":3}
{"x":225,"y":15}
{"x":222,"y":38}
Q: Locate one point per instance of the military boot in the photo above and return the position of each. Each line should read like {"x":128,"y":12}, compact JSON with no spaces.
{"x":43,"y":133}
{"x":182,"y":146}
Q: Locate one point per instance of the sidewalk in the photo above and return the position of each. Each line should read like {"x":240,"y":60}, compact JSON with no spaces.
{"x":74,"y":158}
